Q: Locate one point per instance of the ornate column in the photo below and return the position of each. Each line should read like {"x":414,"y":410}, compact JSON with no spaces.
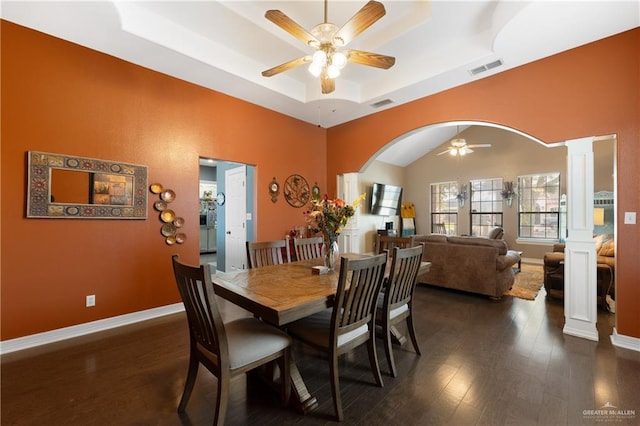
{"x":580,"y":301}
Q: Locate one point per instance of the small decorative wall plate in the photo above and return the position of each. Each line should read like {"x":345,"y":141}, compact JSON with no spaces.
{"x":160,"y":205}
{"x":178,"y":222}
{"x":167,"y":216}
{"x":156,"y":188}
{"x":220,"y":198}
{"x":168,"y":195}
{"x":296,"y":191}
{"x":181,"y":238}
{"x":168,"y":230}
{"x":171,"y":240}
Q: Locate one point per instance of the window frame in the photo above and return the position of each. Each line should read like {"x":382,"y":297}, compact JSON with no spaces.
{"x":541,"y":219}
{"x":451,"y":214}
{"x":495,"y":201}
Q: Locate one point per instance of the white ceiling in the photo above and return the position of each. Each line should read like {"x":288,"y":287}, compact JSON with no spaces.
{"x":225,"y":45}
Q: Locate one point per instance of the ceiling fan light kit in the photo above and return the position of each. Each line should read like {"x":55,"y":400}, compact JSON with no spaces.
{"x":459,"y":146}
{"x":327,"y":61}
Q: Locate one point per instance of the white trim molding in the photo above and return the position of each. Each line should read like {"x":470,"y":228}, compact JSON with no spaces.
{"x":627,"y":342}
{"x":52,"y":336}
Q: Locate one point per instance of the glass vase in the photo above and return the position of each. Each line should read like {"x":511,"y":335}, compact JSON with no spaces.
{"x":330,"y":253}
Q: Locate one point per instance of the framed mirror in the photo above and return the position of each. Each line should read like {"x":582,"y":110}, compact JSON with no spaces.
{"x":63,"y":186}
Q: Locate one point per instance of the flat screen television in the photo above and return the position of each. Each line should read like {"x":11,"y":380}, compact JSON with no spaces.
{"x":385,"y":199}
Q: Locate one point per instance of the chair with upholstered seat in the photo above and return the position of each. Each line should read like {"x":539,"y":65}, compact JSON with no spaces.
{"x":384,"y":242}
{"x":308,"y":248}
{"x":350,"y":323}
{"x":265,"y":253}
{"x":395,"y":304}
{"x":226,"y":350}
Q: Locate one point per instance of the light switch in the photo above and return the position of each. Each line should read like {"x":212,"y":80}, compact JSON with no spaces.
{"x":629,"y":218}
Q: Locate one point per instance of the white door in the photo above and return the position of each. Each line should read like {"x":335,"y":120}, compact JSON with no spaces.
{"x":235,"y":236}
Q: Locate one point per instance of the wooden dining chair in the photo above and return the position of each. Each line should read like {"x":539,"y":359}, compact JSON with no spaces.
{"x":265,"y":253}
{"x":384,"y":242}
{"x":350,"y":323}
{"x":226,"y":350}
{"x":308,"y":248}
{"x":395,"y":304}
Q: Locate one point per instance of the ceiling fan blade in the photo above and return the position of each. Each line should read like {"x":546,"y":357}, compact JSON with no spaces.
{"x":359,"y":22}
{"x":287,"y":24}
{"x":446,"y":151}
{"x":328,"y":84}
{"x":482,"y":145}
{"x":370,"y":59}
{"x":286,"y":66}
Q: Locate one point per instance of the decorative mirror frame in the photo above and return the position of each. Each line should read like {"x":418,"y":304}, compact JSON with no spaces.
{"x":40,"y":205}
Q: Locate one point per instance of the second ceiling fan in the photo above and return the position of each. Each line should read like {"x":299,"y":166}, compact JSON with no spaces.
{"x":327,"y":38}
{"x":459,"y":146}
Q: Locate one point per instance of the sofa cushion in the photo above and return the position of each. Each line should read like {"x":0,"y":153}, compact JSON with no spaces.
{"x":501,"y":245}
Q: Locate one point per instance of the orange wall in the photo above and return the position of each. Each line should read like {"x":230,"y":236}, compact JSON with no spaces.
{"x":59,"y":97}
{"x":589,"y":91}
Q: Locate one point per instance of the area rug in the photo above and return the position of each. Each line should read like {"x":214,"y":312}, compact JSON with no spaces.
{"x":528,"y":282}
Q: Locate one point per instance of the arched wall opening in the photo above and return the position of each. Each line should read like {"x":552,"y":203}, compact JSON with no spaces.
{"x":511,"y":154}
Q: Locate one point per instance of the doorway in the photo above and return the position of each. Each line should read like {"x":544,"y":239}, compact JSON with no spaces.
{"x":214,"y":196}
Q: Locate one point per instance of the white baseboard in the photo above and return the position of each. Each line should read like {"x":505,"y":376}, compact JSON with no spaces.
{"x":627,"y":342}
{"x":86,"y":328}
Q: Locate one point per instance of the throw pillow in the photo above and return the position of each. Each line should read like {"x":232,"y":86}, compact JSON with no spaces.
{"x":599,"y":241}
{"x":607,"y":249}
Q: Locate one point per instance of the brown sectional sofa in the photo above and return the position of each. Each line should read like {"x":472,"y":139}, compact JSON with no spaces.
{"x":474,"y":264}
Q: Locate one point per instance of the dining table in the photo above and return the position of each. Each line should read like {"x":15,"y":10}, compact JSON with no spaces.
{"x":281,"y":294}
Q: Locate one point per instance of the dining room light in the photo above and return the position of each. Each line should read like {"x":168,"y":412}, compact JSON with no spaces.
{"x":339,"y":59}
{"x":333,"y":71}
{"x":327,"y":60}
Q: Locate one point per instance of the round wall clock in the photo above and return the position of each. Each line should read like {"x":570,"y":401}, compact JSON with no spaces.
{"x":220,"y":198}
{"x":296,"y":191}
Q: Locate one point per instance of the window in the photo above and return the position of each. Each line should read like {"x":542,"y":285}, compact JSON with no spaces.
{"x":538,"y":206}
{"x":486,"y":205}
{"x":444,"y":208}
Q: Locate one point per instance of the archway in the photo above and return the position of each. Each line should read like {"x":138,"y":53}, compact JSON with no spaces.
{"x":411,"y":138}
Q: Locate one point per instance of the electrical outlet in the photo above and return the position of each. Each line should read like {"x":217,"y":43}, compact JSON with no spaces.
{"x":91,"y":300}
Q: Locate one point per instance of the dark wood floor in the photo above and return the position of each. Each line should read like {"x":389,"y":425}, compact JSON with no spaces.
{"x":483,"y":363}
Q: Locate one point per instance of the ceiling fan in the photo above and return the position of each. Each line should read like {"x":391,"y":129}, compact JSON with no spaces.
{"x":327,"y":39}
{"x":459,"y":147}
